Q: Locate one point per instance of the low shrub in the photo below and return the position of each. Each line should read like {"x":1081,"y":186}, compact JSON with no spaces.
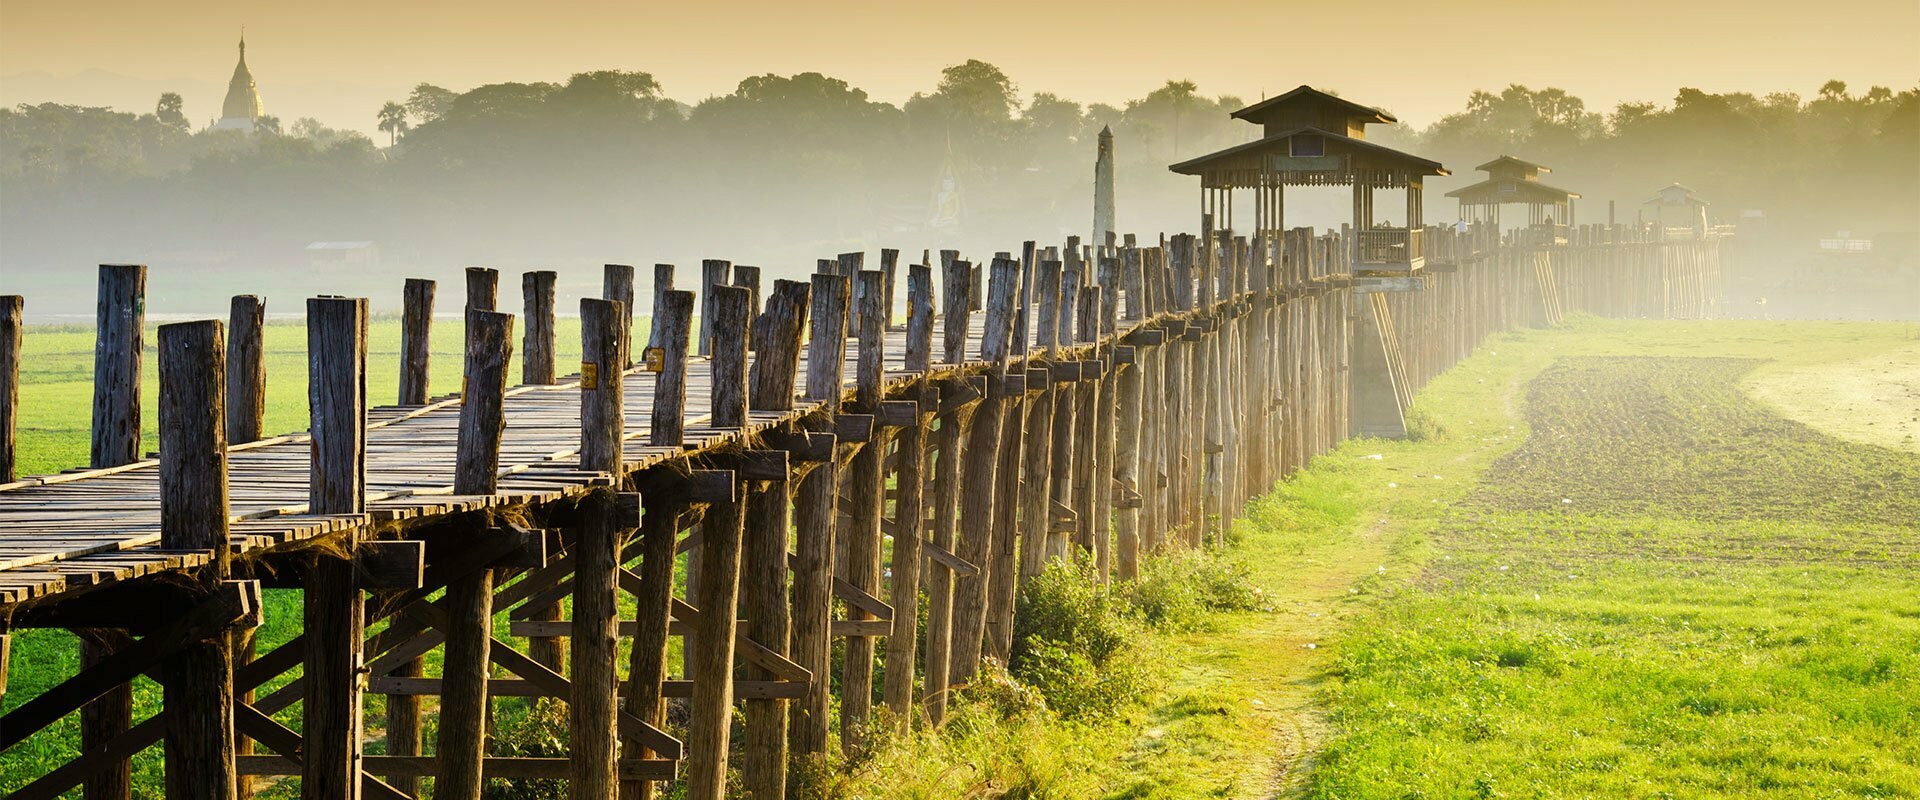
{"x":1177,"y":590}
{"x":1078,"y":643}
{"x":542,"y":731}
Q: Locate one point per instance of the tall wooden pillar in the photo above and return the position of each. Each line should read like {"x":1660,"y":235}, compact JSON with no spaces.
{"x":119,"y":334}
{"x":867,"y":491}
{"x":815,"y":512}
{"x":597,"y":547}
{"x":193,"y":516}
{"x":336,"y":394}
{"x":469,"y":599}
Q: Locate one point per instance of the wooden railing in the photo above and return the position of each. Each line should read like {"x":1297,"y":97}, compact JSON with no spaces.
{"x":1388,"y":247}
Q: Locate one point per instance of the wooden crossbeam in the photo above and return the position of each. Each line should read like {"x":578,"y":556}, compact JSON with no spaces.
{"x":231,"y":604}
{"x":506,"y":768}
{"x":633,"y":728}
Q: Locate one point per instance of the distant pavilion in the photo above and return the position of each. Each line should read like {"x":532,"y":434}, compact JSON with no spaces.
{"x":1312,"y":138}
{"x":1677,"y":206}
{"x":1514,"y":181}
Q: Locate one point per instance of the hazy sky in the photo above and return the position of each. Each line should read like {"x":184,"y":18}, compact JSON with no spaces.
{"x":338,"y":60}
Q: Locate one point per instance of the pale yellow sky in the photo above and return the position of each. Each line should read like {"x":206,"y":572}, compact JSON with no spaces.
{"x":338,"y":60}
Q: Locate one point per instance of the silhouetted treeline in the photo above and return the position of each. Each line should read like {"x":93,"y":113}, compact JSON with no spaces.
{"x":606,"y":166}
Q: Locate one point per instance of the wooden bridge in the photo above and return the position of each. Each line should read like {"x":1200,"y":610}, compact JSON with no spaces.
{"x":1094,"y":403}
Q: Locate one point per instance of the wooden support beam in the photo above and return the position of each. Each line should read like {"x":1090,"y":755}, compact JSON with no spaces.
{"x":246,"y":399}
{"x":728,"y":345}
{"x":592,"y":714}
{"x":909,"y":514}
{"x":711,"y":709}
{"x":865,"y":486}
{"x":815,"y":502}
{"x":647,"y":667}
{"x":118,"y":338}
{"x":617,"y":285}
{"x":984,"y":445}
{"x":671,"y":329}
{"x":776,"y":360}
{"x":12,"y":335}
{"x":332,"y":610}
{"x":714,"y":273}
{"x":230,"y":604}
{"x":483,"y":289}
{"x":537,"y":346}
{"x":416,"y":324}
{"x":919,"y":349}
{"x":463,"y":709}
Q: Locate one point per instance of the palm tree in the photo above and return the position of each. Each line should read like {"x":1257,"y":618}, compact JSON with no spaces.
{"x":393,"y":120}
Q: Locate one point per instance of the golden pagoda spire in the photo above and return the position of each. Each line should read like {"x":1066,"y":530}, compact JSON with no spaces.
{"x":242,"y":105}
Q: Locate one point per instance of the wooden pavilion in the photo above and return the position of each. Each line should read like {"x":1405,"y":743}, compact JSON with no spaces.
{"x":1514,"y":181}
{"x":1677,"y":207}
{"x":1312,"y":138}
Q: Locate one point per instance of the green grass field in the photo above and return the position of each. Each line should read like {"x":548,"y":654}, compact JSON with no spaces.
{"x":1600,"y":568}
{"x":1730,"y":606}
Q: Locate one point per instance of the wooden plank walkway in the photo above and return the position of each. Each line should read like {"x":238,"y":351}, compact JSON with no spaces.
{"x":88,"y":527}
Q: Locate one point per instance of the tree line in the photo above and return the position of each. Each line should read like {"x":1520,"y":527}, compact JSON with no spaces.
{"x":606,"y":163}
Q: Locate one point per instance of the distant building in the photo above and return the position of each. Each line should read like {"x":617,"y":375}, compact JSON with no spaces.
{"x":331,"y":255}
{"x":1676,"y":207}
{"x":1514,"y":181}
{"x":242,"y":109}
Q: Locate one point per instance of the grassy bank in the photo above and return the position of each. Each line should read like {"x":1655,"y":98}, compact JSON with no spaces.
{"x":1438,"y":629}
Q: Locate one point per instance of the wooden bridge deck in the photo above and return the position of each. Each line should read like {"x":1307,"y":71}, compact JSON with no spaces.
{"x":90,"y":527}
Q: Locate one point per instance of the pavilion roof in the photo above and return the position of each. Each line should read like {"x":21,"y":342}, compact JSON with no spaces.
{"x":1305,"y":93}
{"x":1493,"y":186}
{"x":1411,"y":163}
{"x":1518,"y":162}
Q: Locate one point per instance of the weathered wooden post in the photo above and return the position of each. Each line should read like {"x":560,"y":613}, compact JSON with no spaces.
{"x":956,"y":277}
{"x":909,"y":514}
{"x":662,"y":284}
{"x":537,"y":368}
{"x":729,"y":376}
{"x":919,"y":351}
{"x":12,"y":336}
{"x":983,"y":462}
{"x":717,"y":587}
{"x":616,"y":284}
{"x":1104,"y":436}
{"x":672,"y":328}
{"x":1002,"y":564}
{"x":764,"y":563}
{"x":713,"y":272}
{"x":1126,"y":468}
{"x":483,"y":288}
{"x":334,"y":609}
{"x":1089,"y":534}
{"x":866,"y":488}
{"x":536,"y":364}
{"x":815,"y":515}
{"x":119,"y":337}
{"x":1065,"y":412}
{"x":1036,"y":511}
{"x":246,"y":421}
{"x":416,"y":322}
{"x":193,"y":516}
{"x":889,"y":267}
{"x":246,"y":370}
{"x":469,"y":599}
{"x":597,"y":552}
